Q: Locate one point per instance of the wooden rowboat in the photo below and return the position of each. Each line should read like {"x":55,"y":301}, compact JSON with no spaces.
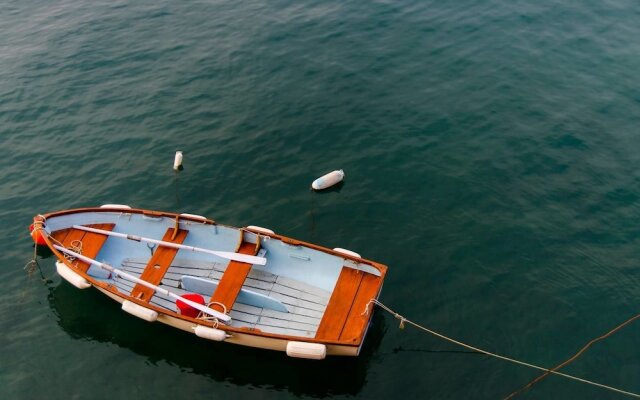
{"x":247,"y":286}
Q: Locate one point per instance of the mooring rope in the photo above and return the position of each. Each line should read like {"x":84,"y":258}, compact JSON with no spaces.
{"x":547,"y":371}
{"x":31,"y":266}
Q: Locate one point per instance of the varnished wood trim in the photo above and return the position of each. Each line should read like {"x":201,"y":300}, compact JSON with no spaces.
{"x":358,"y":320}
{"x":232,"y":279}
{"x":90,"y":242}
{"x":158,"y":265}
{"x":339,"y":306}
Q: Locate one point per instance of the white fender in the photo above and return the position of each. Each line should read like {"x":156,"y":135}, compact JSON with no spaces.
{"x":311,"y":351}
{"x":195,"y":216}
{"x":260,"y":229}
{"x":328,"y":180}
{"x":347,"y":252}
{"x":118,"y":206}
{"x":144,"y":313}
{"x":70,"y":276}
{"x":210,"y":333}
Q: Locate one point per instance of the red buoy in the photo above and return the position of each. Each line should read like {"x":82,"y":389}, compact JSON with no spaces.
{"x":37,"y":237}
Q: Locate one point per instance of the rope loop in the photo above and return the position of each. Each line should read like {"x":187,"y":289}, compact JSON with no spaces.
{"x":210,"y":318}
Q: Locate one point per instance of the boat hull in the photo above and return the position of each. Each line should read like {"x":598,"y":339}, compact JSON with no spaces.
{"x":325,"y":292}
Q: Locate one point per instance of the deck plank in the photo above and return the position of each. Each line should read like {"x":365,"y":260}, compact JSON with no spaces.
{"x":233,"y":279}
{"x":299,"y":294}
{"x":281,"y":323}
{"x":158,"y":265}
{"x":301,"y":286}
{"x":284,"y":331}
{"x":340,"y":304}
{"x":291,"y":317}
{"x":295,"y":302}
{"x":357,"y":321}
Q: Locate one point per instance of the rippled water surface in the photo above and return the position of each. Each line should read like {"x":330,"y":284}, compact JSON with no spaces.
{"x":492,"y":157}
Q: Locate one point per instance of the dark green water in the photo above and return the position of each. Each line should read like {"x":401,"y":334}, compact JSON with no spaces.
{"x":492,"y":157}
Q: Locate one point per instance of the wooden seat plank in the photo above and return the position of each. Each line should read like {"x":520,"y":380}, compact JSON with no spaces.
{"x":233,"y":279}
{"x":357,"y":320}
{"x":158,"y":265}
{"x":337,"y":311}
{"x":90,"y":243}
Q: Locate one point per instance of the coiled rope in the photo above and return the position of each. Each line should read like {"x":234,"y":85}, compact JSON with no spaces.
{"x":547,"y":371}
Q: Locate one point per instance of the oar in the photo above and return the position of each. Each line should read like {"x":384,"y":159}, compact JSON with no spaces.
{"x":245,"y":258}
{"x":132,"y":278}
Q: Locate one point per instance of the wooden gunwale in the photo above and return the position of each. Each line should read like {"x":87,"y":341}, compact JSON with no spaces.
{"x":128,"y":211}
{"x":380,"y":267}
{"x":113,"y":290}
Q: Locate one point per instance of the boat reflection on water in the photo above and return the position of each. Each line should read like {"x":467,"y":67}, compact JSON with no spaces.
{"x":87,"y":315}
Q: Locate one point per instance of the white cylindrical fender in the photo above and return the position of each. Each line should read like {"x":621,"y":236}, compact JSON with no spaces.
{"x":118,"y":206}
{"x":177,"y":161}
{"x":328,"y":180}
{"x":260,"y":229}
{"x":70,"y":276}
{"x":311,"y":351}
{"x":195,"y":216}
{"x":210,"y":333}
{"x":347,"y":252}
{"x":144,"y":313}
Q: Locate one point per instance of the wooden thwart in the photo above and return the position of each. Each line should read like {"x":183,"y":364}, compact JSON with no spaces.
{"x":339,"y":305}
{"x":357,"y":320}
{"x":91,"y":242}
{"x":233,"y":279}
{"x":343,"y":319}
{"x":158,"y":265}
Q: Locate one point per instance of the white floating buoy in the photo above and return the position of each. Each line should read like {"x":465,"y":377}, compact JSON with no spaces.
{"x":328,"y":180}
{"x":177,"y":161}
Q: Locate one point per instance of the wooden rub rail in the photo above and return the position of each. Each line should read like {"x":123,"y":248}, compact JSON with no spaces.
{"x":90,"y":243}
{"x":158,"y":265}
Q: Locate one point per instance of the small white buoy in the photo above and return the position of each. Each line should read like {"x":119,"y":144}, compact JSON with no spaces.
{"x":177,"y":161}
{"x":328,"y":180}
